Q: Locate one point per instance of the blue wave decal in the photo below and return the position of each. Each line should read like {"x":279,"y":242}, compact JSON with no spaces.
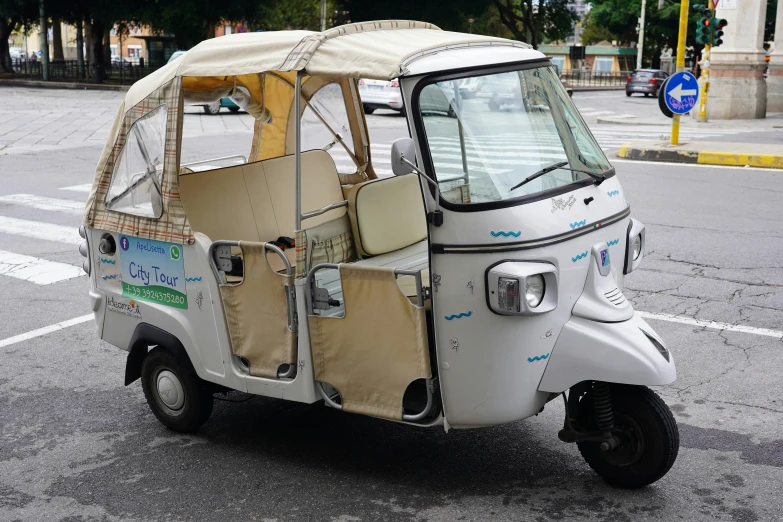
{"x":109,"y":261}
{"x":193,"y":279}
{"x":505,"y":234}
{"x":577,"y":224}
{"x":580,"y":256}
{"x":613,"y":242}
{"x":458,"y":316}
{"x":538,"y":358}
{"x":613,"y":193}
{"x":113,"y":276}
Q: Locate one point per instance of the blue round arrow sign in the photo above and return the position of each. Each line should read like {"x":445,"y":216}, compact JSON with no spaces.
{"x":682,"y":92}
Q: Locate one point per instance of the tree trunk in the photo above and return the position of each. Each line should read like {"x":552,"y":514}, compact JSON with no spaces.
{"x":5,"y":52}
{"x":57,"y":40}
{"x":96,"y":51}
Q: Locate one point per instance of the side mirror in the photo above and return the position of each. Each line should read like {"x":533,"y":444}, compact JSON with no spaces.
{"x":403,"y":156}
{"x":402,"y":148}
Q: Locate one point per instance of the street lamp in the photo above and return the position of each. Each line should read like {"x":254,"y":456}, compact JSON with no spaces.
{"x":470,"y":25}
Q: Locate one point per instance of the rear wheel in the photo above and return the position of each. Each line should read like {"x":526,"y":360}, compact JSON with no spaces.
{"x":648,"y":439}
{"x":368,"y":110}
{"x":212,"y":108}
{"x":628,"y":94}
{"x":493,"y":104}
{"x":175,"y":394}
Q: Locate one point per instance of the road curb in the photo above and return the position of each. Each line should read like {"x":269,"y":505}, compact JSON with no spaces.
{"x":586,"y":88}
{"x":663,"y":152}
{"x":6,"y":82}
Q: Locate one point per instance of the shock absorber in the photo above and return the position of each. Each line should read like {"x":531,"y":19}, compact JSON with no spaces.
{"x":602,"y":407}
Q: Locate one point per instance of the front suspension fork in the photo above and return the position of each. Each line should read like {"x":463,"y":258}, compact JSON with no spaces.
{"x":602,"y":411}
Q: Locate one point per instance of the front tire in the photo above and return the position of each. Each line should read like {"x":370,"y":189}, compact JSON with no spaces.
{"x":649,"y":439}
{"x":179,"y":399}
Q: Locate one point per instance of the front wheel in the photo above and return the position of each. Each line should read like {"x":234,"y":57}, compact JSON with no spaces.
{"x":175,"y":394}
{"x":648,"y":439}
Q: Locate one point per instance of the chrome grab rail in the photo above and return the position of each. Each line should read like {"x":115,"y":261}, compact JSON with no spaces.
{"x":324,"y":210}
{"x":420,"y":298}
{"x":201,"y":162}
{"x":290,"y":295}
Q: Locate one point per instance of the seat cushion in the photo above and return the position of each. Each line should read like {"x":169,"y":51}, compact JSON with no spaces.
{"x":387,"y":214}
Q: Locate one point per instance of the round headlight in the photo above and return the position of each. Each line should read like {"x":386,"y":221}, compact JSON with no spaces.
{"x":637,"y":247}
{"x":534,"y":290}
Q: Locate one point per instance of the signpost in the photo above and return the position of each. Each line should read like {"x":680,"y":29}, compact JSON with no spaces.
{"x":682,"y":35}
{"x":681,"y":92}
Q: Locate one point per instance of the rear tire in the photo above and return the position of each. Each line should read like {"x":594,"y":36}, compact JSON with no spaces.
{"x":493,"y":104}
{"x":212,"y":108}
{"x":179,"y":399}
{"x":649,"y":440}
{"x":628,"y":94}
{"x":368,"y":110}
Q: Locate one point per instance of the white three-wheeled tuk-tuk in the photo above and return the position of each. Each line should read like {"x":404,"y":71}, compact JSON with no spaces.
{"x":480,"y":281}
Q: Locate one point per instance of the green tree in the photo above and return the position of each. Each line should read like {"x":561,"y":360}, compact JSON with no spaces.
{"x":293,"y":14}
{"x":13,"y":15}
{"x":593,"y":33}
{"x":661,"y":27}
{"x":533,"y":21}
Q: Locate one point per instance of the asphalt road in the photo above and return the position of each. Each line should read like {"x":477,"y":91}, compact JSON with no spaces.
{"x":76,"y":444}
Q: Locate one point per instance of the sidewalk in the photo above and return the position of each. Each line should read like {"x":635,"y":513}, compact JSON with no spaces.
{"x":769,"y":155}
{"x":773,"y":121}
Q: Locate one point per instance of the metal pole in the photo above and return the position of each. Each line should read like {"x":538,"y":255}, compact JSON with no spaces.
{"x":298,"y":151}
{"x":323,"y":15}
{"x":680,"y":63}
{"x":44,"y":43}
{"x":80,"y":48}
{"x":705,"y":86}
{"x":640,"y":43}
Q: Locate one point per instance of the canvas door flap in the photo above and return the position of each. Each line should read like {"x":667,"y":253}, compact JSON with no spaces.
{"x":257,"y":315}
{"x":373,"y":353}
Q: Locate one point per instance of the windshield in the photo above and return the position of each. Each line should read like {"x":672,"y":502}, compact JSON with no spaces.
{"x":514,"y":124}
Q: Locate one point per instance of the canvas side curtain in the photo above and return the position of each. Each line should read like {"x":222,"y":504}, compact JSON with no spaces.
{"x":172,"y":226}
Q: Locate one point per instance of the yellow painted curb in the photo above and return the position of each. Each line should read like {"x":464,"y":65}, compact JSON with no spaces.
{"x":774,"y":161}
{"x":623,"y":152}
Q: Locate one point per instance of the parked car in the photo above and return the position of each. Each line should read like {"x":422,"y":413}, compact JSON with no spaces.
{"x":467,"y":88}
{"x":214,"y":107}
{"x":500,"y":90}
{"x":646,"y":81}
{"x":380,"y":94}
{"x":438,"y":101}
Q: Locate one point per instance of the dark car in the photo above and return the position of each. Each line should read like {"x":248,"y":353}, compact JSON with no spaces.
{"x":645,"y":81}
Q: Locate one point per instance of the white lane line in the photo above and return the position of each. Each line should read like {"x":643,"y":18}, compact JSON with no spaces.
{"x":35,"y":270}
{"x":44,"y":203}
{"x":713,"y":325}
{"x":86,"y":187}
{"x":45,"y":330}
{"x":39,"y":230}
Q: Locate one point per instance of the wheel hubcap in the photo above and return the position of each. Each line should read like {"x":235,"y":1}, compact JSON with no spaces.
{"x":170,"y":390}
{"x":631,"y":441}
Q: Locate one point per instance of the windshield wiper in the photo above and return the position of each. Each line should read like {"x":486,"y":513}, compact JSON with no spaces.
{"x":599,"y":178}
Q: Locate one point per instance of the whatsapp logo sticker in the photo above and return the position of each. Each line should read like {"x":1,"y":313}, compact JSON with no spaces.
{"x":175,"y":253}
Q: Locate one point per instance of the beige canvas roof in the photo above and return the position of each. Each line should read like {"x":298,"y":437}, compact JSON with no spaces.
{"x":376,"y":50}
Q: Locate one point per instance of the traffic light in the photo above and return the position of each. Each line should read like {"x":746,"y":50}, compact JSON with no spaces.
{"x":717,"y":25}
{"x":703,"y":31}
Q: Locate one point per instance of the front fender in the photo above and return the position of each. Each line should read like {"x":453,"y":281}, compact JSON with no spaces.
{"x":611,"y":352}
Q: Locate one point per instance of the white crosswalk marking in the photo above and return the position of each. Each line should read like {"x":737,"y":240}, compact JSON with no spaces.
{"x":39,"y":230}
{"x":44,"y":203}
{"x":86,"y":187}
{"x":35,"y":270}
